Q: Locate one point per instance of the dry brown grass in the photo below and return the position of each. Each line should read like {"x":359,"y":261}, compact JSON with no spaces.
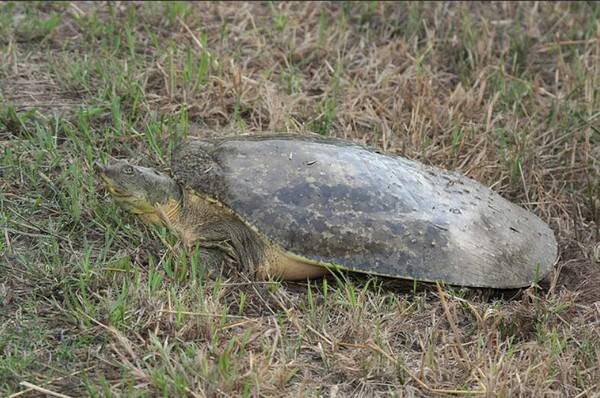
{"x":506,"y":93}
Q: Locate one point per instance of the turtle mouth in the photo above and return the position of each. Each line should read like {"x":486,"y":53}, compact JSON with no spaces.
{"x":113,"y":189}
{"x":118,"y":193}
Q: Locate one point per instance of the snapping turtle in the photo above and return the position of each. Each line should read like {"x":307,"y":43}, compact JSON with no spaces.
{"x":293,"y":206}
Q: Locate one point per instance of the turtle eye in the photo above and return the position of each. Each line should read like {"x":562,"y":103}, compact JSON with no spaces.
{"x":128,"y":170}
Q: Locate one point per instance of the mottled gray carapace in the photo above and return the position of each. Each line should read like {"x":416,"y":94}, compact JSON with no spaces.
{"x":335,"y":202}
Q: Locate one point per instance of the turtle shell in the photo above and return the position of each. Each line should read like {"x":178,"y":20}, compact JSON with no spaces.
{"x":338,"y":203}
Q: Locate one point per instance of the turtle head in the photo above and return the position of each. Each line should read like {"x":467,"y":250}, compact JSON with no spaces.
{"x":141,"y":190}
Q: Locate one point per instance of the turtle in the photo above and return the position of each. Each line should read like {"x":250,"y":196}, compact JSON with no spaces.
{"x":298,"y":206}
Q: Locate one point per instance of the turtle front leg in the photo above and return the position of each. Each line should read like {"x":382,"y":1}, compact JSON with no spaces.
{"x":214,"y":254}
{"x":224,"y":241}
{"x":226,"y":244}
{"x":232,"y":244}
{"x":226,"y":238}
{"x":215,"y":262}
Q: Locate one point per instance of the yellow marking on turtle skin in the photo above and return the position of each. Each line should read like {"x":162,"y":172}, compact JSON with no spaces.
{"x":149,"y":214}
{"x":150,"y":218}
{"x":172,"y":218}
{"x":278,"y":264}
{"x":155,"y":215}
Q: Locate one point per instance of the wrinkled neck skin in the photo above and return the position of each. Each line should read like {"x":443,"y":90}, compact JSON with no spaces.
{"x":161,"y":214}
{"x":188,"y":214}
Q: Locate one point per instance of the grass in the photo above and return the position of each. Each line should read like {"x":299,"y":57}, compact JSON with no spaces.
{"x":92,"y":303}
